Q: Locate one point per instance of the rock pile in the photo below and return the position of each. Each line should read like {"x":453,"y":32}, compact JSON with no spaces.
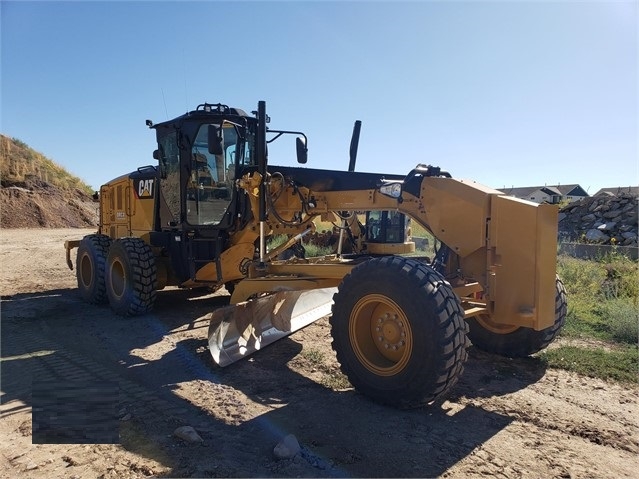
{"x":601,"y":220}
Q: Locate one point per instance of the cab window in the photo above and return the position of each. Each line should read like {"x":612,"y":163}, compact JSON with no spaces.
{"x":170,"y":168}
{"x":210,"y":185}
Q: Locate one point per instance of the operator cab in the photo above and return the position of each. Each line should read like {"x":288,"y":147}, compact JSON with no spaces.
{"x":197,"y":170}
{"x":200,"y":155}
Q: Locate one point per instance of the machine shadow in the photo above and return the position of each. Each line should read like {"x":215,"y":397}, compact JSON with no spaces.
{"x":489,"y":375}
{"x":342,"y":433}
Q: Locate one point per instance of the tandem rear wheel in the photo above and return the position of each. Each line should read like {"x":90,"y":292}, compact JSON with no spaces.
{"x":131,"y":277}
{"x":91,"y":267}
{"x":517,"y":342}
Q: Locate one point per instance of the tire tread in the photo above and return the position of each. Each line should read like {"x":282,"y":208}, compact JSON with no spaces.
{"x":141,"y":292}
{"x":449,"y":323}
{"x":98,"y":244}
{"x":523,"y":341}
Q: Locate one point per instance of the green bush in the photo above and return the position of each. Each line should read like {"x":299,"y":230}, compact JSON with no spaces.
{"x":580,"y":277}
{"x":602,"y":297}
{"x":621,"y":319}
{"x":622,"y":280}
{"x":311,"y":249}
{"x":275,"y":241}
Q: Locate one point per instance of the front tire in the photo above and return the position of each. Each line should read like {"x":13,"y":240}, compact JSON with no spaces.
{"x":131,"y":277}
{"x":519,"y":342}
{"x":90,"y":268}
{"x":398,"y":331}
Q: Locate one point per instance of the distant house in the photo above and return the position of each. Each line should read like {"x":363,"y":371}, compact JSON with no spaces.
{"x":617,"y":190}
{"x":547,"y":194}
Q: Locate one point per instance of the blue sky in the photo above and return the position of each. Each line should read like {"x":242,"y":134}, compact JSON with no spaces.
{"x":504,"y":93}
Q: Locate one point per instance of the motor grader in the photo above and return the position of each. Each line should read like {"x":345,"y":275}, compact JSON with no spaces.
{"x":204,"y":214}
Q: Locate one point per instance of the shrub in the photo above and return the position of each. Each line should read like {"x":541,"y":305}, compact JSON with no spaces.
{"x":621,"y":319}
{"x":602,"y":297}
{"x":622,"y":280}
{"x":580,"y":276}
{"x":311,"y":249}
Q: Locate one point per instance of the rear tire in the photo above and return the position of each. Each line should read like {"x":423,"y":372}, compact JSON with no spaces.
{"x":398,"y":331}
{"x":521,"y":342}
{"x":90,"y":268}
{"x":131,"y":277}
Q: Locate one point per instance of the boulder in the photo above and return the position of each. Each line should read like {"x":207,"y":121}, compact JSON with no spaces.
{"x":597,"y":236}
{"x":188,"y":434}
{"x":287,"y":448}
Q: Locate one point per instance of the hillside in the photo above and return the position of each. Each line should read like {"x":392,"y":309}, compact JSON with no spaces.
{"x":36,"y":192}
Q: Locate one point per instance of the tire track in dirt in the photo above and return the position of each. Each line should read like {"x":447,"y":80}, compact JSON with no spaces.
{"x":552,"y":413}
{"x":68,"y":365}
{"x":617,"y":397}
{"x":153,"y":413}
{"x":199,"y":398}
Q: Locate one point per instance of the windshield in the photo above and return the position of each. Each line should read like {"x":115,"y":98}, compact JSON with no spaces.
{"x":234,"y":145}
{"x":211,"y":184}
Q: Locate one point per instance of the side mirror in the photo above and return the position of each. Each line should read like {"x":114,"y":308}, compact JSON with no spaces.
{"x":161,"y":163}
{"x":215,"y":140}
{"x":302,"y":150}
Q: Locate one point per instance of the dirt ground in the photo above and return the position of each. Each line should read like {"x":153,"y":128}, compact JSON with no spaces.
{"x":505,"y":418}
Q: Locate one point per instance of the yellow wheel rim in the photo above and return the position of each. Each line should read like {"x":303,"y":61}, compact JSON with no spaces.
{"x":380,"y":335}
{"x":493,"y":327}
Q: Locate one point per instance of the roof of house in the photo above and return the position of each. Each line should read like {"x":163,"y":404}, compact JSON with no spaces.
{"x":616,"y":190}
{"x":561,"y":190}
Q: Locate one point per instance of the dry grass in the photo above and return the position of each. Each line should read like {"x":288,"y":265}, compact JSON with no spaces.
{"x":19,"y":163}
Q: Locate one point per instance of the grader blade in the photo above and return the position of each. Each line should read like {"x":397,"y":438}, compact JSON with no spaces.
{"x":239,"y":330}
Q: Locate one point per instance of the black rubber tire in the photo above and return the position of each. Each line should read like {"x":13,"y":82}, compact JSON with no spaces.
{"x":131,"y":277}
{"x":90,"y":268}
{"x":379,"y":295}
{"x":521,"y":342}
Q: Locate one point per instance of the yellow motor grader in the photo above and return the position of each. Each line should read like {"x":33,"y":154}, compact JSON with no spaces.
{"x":400,"y":324}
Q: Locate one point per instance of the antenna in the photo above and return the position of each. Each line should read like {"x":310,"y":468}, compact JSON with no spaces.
{"x":186,"y":93}
{"x":164,"y":100}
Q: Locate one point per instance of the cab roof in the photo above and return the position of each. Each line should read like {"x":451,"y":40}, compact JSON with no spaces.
{"x":204,"y":110}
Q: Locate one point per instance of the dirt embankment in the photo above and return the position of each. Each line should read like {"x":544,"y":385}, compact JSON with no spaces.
{"x":37,"y":192}
{"x":35,"y":203}
{"x":505,"y":418}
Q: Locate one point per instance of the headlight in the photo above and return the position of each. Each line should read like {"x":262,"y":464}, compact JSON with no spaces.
{"x":394,"y":190}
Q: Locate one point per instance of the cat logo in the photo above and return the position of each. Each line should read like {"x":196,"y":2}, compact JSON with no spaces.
{"x":145,"y":188}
